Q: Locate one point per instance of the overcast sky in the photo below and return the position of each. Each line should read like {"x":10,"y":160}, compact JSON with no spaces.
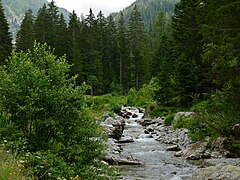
{"x":83,"y":6}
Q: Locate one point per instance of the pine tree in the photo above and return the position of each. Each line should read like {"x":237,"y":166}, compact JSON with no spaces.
{"x":50,"y":26}
{"x":61,"y":37}
{"x":5,"y":37}
{"x":123,"y":52}
{"x":92,"y":55}
{"x":40,"y":26}
{"x":139,"y":66}
{"x":74,"y":47}
{"x":109,"y":55}
{"x":188,"y":45}
{"x":25,"y":36}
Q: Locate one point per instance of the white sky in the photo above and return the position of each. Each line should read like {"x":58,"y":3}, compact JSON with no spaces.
{"x":83,"y":6}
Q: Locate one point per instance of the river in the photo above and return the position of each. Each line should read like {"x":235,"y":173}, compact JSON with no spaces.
{"x":158,"y":163}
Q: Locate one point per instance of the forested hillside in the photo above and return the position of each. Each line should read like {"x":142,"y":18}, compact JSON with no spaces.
{"x":149,"y":10}
{"x":60,"y":73}
{"x":15,"y":10}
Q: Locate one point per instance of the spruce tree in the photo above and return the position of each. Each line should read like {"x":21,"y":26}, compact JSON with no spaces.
{"x":25,"y":36}
{"x":5,"y":37}
{"x":40,"y":26}
{"x":92,"y":55}
{"x":139,"y":66}
{"x":74,"y":56}
{"x":188,"y":45}
{"x":123,"y":52}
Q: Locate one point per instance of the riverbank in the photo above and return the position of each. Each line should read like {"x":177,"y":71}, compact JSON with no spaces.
{"x":151,"y":150}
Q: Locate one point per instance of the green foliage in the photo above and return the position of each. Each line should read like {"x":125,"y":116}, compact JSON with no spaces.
{"x":25,"y":36}
{"x":5,"y":37}
{"x":143,"y":97}
{"x":48,"y":112}
{"x":11,"y":167}
{"x":169,"y":119}
{"x":106,"y":103}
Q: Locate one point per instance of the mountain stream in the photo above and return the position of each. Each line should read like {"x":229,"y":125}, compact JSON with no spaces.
{"x":158,"y":163}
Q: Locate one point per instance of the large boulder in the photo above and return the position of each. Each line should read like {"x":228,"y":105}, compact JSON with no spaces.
{"x":181,"y":115}
{"x":220,"y":171}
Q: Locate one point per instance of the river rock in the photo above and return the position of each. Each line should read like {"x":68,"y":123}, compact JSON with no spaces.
{"x":220,"y":171}
{"x":148,"y":121}
{"x":224,"y":161}
{"x":150,"y":129}
{"x":180,"y":115}
{"x":174,"y":148}
{"x":118,"y":130}
{"x":126,"y":140}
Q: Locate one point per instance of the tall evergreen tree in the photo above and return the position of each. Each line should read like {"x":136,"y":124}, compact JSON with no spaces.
{"x":92,"y":55}
{"x":61,"y":37}
{"x":74,"y":46}
{"x":188,"y":44}
{"x":139,"y":65}
{"x":123,"y":52}
{"x":109,"y":55}
{"x":25,"y":36}
{"x":5,"y":37}
{"x":50,"y":26}
{"x":40,"y":26}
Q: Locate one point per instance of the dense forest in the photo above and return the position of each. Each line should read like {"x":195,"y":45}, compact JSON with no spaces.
{"x":186,"y":61}
{"x":15,"y":9}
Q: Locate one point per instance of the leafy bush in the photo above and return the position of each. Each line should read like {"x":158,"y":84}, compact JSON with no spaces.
{"x":217,"y":115}
{"x":41,"y":105}
{"x":144,"y":97}
{"x":169,"y":119}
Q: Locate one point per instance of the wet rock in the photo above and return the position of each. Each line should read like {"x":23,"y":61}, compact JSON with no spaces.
{"x":220,"y":171}
{"x":180,"y":115}
{"x":118,"y":131}
{"x":178,"y":154}
{"x":146,"y":131}
{"x":174,"y":148}
{"x":126,"y":140}
{"x":150,"y":129}
{"x":141,"y":110}
{"x":224,"y":161}
{"x":134,"y":116}
{"x":148,"y":121}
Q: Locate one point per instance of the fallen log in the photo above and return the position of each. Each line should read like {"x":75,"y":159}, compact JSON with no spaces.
{"x":120,"y":161}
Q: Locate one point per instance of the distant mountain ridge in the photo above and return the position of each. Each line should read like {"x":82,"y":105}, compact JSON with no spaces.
{"x":149,"y":10}
{"x":16,"y":9}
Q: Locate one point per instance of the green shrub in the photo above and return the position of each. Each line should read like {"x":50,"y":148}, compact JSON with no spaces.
{"x":183,"y":122}
{"x":169,"y":119}
{"x":44,"y":107}
{"x":144,"y":97}
{"x":11,"y":167}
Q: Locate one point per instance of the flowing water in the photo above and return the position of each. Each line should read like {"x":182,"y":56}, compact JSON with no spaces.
{"x":159,"y":164}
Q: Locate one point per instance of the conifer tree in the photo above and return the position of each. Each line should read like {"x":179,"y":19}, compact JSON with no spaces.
{"x":139,"y":66}
{"x":109,"y":55}
{"x":123,"y":52}
{"x":74,"y":46}
{"x":40,"y":26}
{"x":61,"y":46}
{"x":5,"y":37}
{"x":25,"y":36}
{"x":92,"y":55}
{"x":188,"y":45}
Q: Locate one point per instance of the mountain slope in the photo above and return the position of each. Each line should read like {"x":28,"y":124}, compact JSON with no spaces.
{"x":15,"y":11}
{"x":149,"y":10}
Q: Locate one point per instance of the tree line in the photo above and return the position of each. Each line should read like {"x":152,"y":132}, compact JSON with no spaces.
{"x":105,"y":54}
{"x":194,"y":54}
